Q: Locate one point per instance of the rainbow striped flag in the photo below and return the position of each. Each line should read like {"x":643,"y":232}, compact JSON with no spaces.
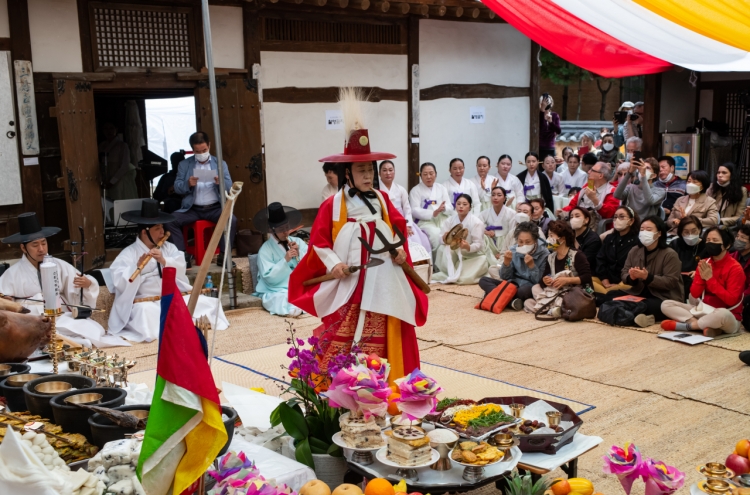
{"x":184,"y":432}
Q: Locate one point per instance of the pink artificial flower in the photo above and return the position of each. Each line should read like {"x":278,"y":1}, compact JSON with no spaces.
{"x":660,"y":478}
{"x":625,"y":463}
{"x":418,"y":395}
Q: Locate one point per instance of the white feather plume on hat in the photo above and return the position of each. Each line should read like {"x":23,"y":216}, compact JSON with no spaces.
{"x":351,"y":100}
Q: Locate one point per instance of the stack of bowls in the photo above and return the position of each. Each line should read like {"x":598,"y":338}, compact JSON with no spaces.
{"x":38,"y":393}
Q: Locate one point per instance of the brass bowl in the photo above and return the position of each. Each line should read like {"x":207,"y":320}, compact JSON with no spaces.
{"x":5,"y":369}
{"x":715,"y":486}
{"x":21,"y":380}
{"x":138,"y":413}
{"x":715,"y":470}
{"x":554,"y":417}
{"x":88,"y":398}
{"x":517,"y":409}
{"x":52,"y":388}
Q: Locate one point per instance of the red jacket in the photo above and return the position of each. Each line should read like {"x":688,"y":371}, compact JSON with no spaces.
{"x":725,"y":288}
{"x":609,"y":205}
{"x":746,"y":269}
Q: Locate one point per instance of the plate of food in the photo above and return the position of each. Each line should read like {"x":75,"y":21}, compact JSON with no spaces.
{"x":407,"y":447}
{"x":475,"y":421}
{"x":471,"y":453}
{"x":363,"y":444}
{"x":358,"y":433}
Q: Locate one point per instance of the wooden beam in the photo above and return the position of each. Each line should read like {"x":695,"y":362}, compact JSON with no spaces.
{"x":491,"y":14}
{"x":402,"y":8}
{"x":85,"y":76}
{"x":651,"y":114}
{"x":326,"y":95}
{"x":359,"y":4}
{"x":456,"y":11}
{"x":316,"y":3}
{"x":296,"y":2}
{"x":462,"y":91}
{"x":412,"y":59}
{"x":5,"y":44}
{"x":339,"y":3}
{"x":20,"y":36}
{"x":420,"y":9}
{"x":252,"y":27}
{"x":325,"y":47}
{"x":473,"y":12}
{"x":438,"y":10}
{"x":381,"y":6}
{"x":534,"y":93}
{"x":87,"y":54}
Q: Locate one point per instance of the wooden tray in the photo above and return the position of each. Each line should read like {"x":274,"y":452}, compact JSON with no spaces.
{"x":545,"y":443}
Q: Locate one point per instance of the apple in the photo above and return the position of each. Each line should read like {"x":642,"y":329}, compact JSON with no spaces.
{"x":738,"y":464}
{"x":315,"y":487}
{"x":415,"y":493}
{"x":347,"y":489}
{"x":742,"y":448}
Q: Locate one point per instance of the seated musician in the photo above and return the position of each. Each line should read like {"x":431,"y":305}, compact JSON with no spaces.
{"x":278,"y":256}
{"x":21,"y":282}
{"x":136,"y":309}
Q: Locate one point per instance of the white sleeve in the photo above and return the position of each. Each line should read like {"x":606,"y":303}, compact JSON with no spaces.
{"x":405,"y":205}
{"x":415,"y":201}
{"x":518,"y":190}
{"x":447,"y":199}
{"x":329,"y":258}
{"x":175,"y":258}
{"x":476,"y":206}
{"x":477,"y":237}
{"x":447,"y":226}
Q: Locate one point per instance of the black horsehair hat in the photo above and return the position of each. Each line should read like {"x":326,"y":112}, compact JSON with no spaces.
{"x":149,"y":214}
{"x":30,"y":230}
{"x":277,"y":218}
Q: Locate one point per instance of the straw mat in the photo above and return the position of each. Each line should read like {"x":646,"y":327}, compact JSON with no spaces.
{"x":462,"y":290}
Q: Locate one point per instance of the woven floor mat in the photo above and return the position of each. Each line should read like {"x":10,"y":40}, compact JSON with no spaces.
{"x":453,"y":320}
{"x":462,"y":290}
{"x":659,"y":426}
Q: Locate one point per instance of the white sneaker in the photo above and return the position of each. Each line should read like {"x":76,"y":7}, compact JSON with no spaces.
{"x":644,"y":321}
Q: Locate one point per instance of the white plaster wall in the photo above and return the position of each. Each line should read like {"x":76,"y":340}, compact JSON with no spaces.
{"x":446,"y":132}
{"x":55,"y":41}
{"x":296,"y":138}
{"x":4,"y":24}
{"x":677,"y":102}
{"x":227,"y":36}
{"x":320,"y":70}
{"x":472,"y":53}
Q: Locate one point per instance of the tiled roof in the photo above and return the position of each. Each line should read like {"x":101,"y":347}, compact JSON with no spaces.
{"x":572,"y":129}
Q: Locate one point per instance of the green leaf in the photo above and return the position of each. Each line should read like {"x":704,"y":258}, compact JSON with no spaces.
{"x":275,"y":417}
{"x":303,"y":454}
{"x":316,"y":443}
{"x":315,"y":425}
{"x":294,"y":422}
{"x":335,"y":451}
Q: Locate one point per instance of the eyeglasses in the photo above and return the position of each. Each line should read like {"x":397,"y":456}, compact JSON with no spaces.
{"x":597,"y":171}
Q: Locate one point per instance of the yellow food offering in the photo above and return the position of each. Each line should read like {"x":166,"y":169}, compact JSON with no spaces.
{"x":463,"y":417}
{"x":581,"y":485}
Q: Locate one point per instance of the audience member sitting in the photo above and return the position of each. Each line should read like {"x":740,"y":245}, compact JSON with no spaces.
{"x":587,"y":240}
{"x":573,"y":192}
{"x":671,"y":183}
{"x":566,"y":152}
{"x":539,"y":216}
{"x":498,"y":220}
{"x":556,"y":182}
{"x":430,"y":204}
{"x":508,"y":181}
{"x":165,"y":188}
{"x":535,"y":185}
{"x":719,"y":283}
{"x":588,"y":143}
{"x":572,"y":175}
{"x":730,"y":195}
{"x":524,"y":214}
{"x":609,"y":152}
{"x":565,"y":266}
{"x":616,"y":245}
{"x":741,"y":253}
{"x":644,"y":199}
{"x":688,"y":246}
{"x":696,"y":203}
{"x":600,"y":199}
{"x":587,"y":161}
{"x":332,"y":179}
{"x":484,"y":181}
{"x":467,"y":263}
{"x":522,"y":264}
{"x":457,"y":185}
{"x":400,"y":199}
{"x":652,"y":270}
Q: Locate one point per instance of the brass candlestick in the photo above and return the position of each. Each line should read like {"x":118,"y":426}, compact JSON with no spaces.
{"x":52,"y":314}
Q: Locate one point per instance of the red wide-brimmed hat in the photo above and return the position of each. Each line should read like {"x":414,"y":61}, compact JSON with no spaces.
{"x":357,"y":149}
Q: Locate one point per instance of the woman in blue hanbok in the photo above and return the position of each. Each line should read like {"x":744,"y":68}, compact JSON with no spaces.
{"x":278,"y":256}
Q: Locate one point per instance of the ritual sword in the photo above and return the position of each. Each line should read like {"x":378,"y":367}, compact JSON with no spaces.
{"x":348,"y":271}
{"x":391,"y":248}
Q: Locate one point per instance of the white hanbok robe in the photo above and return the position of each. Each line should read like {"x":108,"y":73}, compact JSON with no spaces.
{"x":513,"y":189}
{"x":578,"y":179}
{"x":273,"y":276}
{"x":23,"y":280}
{"x":424,"y":201}
{"x":501,"y":224}
{"x":400,"y":199}
{"x":459,"y":266}
{"x":485,"y":193}
{"x":557,"y":184}
{"x":465,"y":187}
{"x":139,"y":322}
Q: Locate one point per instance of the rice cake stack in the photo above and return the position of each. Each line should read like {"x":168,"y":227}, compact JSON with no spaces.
{"x":360,"y":433}
{"x":408,"y":446}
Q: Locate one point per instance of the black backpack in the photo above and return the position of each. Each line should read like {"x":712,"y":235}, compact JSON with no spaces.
{"x":620,"y":313}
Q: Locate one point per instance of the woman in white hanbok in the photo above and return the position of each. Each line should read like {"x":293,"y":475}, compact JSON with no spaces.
{"x":430,"y":204}
{"x":509,"y":182}
{"x":457,"y":185}
{"x":484,"y":182}
{"x":400,"y":199}
{"x":498,"y":220}
{"x":467,"y":263}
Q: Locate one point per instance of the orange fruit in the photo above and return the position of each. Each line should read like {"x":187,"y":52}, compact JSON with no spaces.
{"x":393,"y":406}
{"x":379,"y":486}
{"x":561,"y":487}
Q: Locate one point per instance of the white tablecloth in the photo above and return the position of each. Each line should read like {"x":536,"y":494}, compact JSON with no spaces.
{"x":580,"y":444}
{"x":274,"y":466}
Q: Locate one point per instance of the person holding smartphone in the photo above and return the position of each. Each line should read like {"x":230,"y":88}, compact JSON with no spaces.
{"x":549,"y":126}
{"x":634,"y":124}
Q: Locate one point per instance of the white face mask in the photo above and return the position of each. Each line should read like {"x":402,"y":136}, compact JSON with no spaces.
{"x":646,"y":237}
{"x":620,"y":224}
{"x":692,"y":239}
{"x":576,"y":223}
{"x":524,"y":250}
{"x":202,"y":157}
{"x":608,"y":146}
{"x":692,"y":188}
{"x":669,"y":177}
{"x":522,"y":217}
{"x":649,"y":174}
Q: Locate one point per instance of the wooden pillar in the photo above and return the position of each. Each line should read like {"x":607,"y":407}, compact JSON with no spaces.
{"x":412,"y":59}
{"x":651,"y":115}
{"x":534,"y":99}
{"x":20,"y":49}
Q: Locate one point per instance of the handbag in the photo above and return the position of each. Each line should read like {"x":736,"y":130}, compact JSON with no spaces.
{"x":498,"y":298}
{"x":577,"y":304}
{"x":702,"y":309}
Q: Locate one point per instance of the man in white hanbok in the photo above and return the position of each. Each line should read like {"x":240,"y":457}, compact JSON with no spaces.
{"x":22,"y":282}
{"x":136,"y":309}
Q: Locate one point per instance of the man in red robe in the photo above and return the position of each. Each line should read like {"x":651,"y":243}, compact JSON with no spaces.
{"x":376,"y":307}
